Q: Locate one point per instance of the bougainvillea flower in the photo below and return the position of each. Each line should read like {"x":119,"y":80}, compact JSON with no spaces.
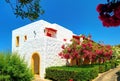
{"x":117,"y":12}
{"x":87,"y":51}
{"x":66,"y":56}
{"x":71,"y":80}
{"x":109,"y":14}
{"x":63,"y":46}
{"x":99,"y":7}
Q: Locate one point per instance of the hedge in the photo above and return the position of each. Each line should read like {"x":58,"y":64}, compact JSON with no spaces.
{"x":106,"y":66}
{"x":76,"y":73}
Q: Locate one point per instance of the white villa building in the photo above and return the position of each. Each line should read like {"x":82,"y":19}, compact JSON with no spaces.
{"x":39,"y":43}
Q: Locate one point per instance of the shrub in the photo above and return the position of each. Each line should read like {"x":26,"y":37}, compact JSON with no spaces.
{"x":77,"y":73}
{"x":107,"y":66}
{"x":14,"y":68}
{"x":63,"y":73}
{"x":101,"y":68}
{"x":1,"y":61}
{"x":4,"y":78}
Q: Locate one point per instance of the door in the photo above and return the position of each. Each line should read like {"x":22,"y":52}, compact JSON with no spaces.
{"x":35,"y":64}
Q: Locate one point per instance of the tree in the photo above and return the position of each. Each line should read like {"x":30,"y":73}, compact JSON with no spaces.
{"x":30,"y":9}
{"x":86,"y":52}
{"x":109,"y":13}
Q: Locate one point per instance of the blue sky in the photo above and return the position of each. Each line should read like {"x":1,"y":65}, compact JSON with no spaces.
{"x":80,"y":16}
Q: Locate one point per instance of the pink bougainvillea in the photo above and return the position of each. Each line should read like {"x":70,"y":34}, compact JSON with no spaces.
{"x":88,"y":50}
{"x":71,"y":80}
{"x":109,"y":13}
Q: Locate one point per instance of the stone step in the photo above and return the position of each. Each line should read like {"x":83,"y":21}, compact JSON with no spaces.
{"x":37,"y":78}
{"x":41,"y":80}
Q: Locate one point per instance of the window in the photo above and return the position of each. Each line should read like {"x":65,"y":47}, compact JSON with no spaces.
{"x":17,"y":41}
{"x":25,"y":38}
{"x":50,"y":32}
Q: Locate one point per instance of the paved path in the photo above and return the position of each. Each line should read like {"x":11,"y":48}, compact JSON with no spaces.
{"x":109,"y":75}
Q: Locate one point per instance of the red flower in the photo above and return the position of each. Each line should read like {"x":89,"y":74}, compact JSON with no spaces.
{"x":99,"y":7}
{"x":108,"y":46}
{"x":84,"y":45}
{"x":66,"y":56}
{"x":71,"y":80}
{"x":89,"y":44}
{"x":60,"y":54}
{"x":65,"y":39}
{"x":63,"y":46}
{"x":110,"y":52}
{"x":105,"y":11}
{"x":117,"y":12}
{"x":69,"y":50}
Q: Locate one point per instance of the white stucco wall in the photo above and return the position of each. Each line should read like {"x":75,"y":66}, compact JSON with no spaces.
{"x":31,"y":47}
{"x":47,"y":47}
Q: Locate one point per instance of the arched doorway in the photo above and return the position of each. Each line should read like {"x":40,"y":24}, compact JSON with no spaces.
{"x":36,"y":64}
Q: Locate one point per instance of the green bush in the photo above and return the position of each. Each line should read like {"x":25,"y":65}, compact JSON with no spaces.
{"x":2,"y":61}
{"x":14,"y":68}
{"x":81,"y":73}
{"x":107,"y":66}
{"x":104,"y":67}
{"x":113,"y":65}
{"x":101,"y":68}
{"x":76,"y":73}
{"x":4,"y":78}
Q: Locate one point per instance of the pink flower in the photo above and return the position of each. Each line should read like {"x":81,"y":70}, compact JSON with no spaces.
{"x":65,"y":39}
{"x":117,"y":12}
{"x":71,"y":80}
{"x":89,"y":44}
{"x":99,"y":7}
{"x":108,"y":46}
{"x":84,"y":45}
{"x":110,"y":52}
{"x":69,"y":49}
{"x":63,"y":46}
{"x":66,"y":56}
{"x":60,"y":54}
